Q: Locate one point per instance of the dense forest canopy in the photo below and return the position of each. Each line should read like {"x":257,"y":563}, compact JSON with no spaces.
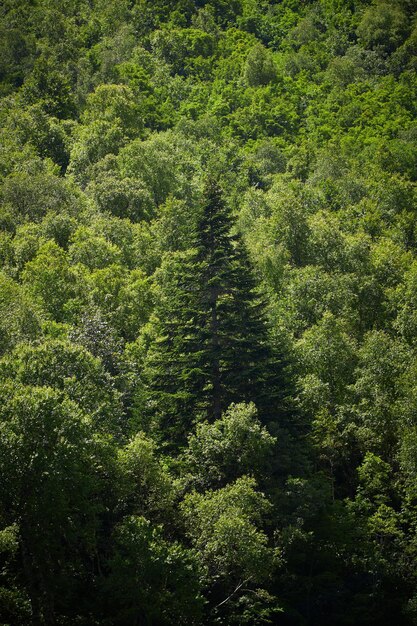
{"x":208,"y":312}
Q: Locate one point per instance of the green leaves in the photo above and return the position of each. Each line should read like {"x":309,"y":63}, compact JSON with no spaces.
{"x":49,"y":460}
{"x":73,"y":370}
{"x":158,"y":465}
{"x":224,"y":528}
{"x":50,"y":280}
{"x":19,"y":317}
{"x":232,"y":446}
{"x":151,"y":579}
{"x":211,"y":344}
{"x":146,"y":486}
{"x":383,"y":27}
{"x":259,"y":67}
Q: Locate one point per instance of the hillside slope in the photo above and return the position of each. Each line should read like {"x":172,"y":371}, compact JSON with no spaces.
{"x":208,"y":312}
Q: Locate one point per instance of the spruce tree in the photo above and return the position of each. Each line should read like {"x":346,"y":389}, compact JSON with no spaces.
{"x":209,"y":339}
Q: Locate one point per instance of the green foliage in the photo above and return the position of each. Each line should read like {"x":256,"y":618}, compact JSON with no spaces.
{"x":50,"y":87}
{"x":382,"y":361}
{"x":50,"y":280}
{"x":123,"y":197}
{"x":50,"y":461}
{"x":93,"y":143}
{"x":259,"y":67}
{"x":383,"y":26}
{"x":146,"y":487}
{"x":115,"y":104}
{"x":327,"y":351}
{"x":209,"y":338}
{"x":232,"y":446}
{"x":156,"y":163}
{"x":183,"y":49}
{"x":19,"y":318}
{"x":31,"y":195}
{"x":167,"y":341}
{"x":223,"y":527}
{"x":71,"y":369}
{"x":124,"y":297}
{"x":92,"y":250}
{"x":150,"y":579}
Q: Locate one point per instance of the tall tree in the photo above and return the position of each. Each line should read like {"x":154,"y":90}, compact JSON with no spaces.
{"x":210,"y":345}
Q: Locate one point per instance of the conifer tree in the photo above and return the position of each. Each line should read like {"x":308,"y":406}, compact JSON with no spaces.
{"x":210,"y":345}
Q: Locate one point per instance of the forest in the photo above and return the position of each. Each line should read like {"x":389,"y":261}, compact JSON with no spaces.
{"x":208,"y":312}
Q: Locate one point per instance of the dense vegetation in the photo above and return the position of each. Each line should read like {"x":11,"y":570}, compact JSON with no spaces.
{"x":208,"y":312}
